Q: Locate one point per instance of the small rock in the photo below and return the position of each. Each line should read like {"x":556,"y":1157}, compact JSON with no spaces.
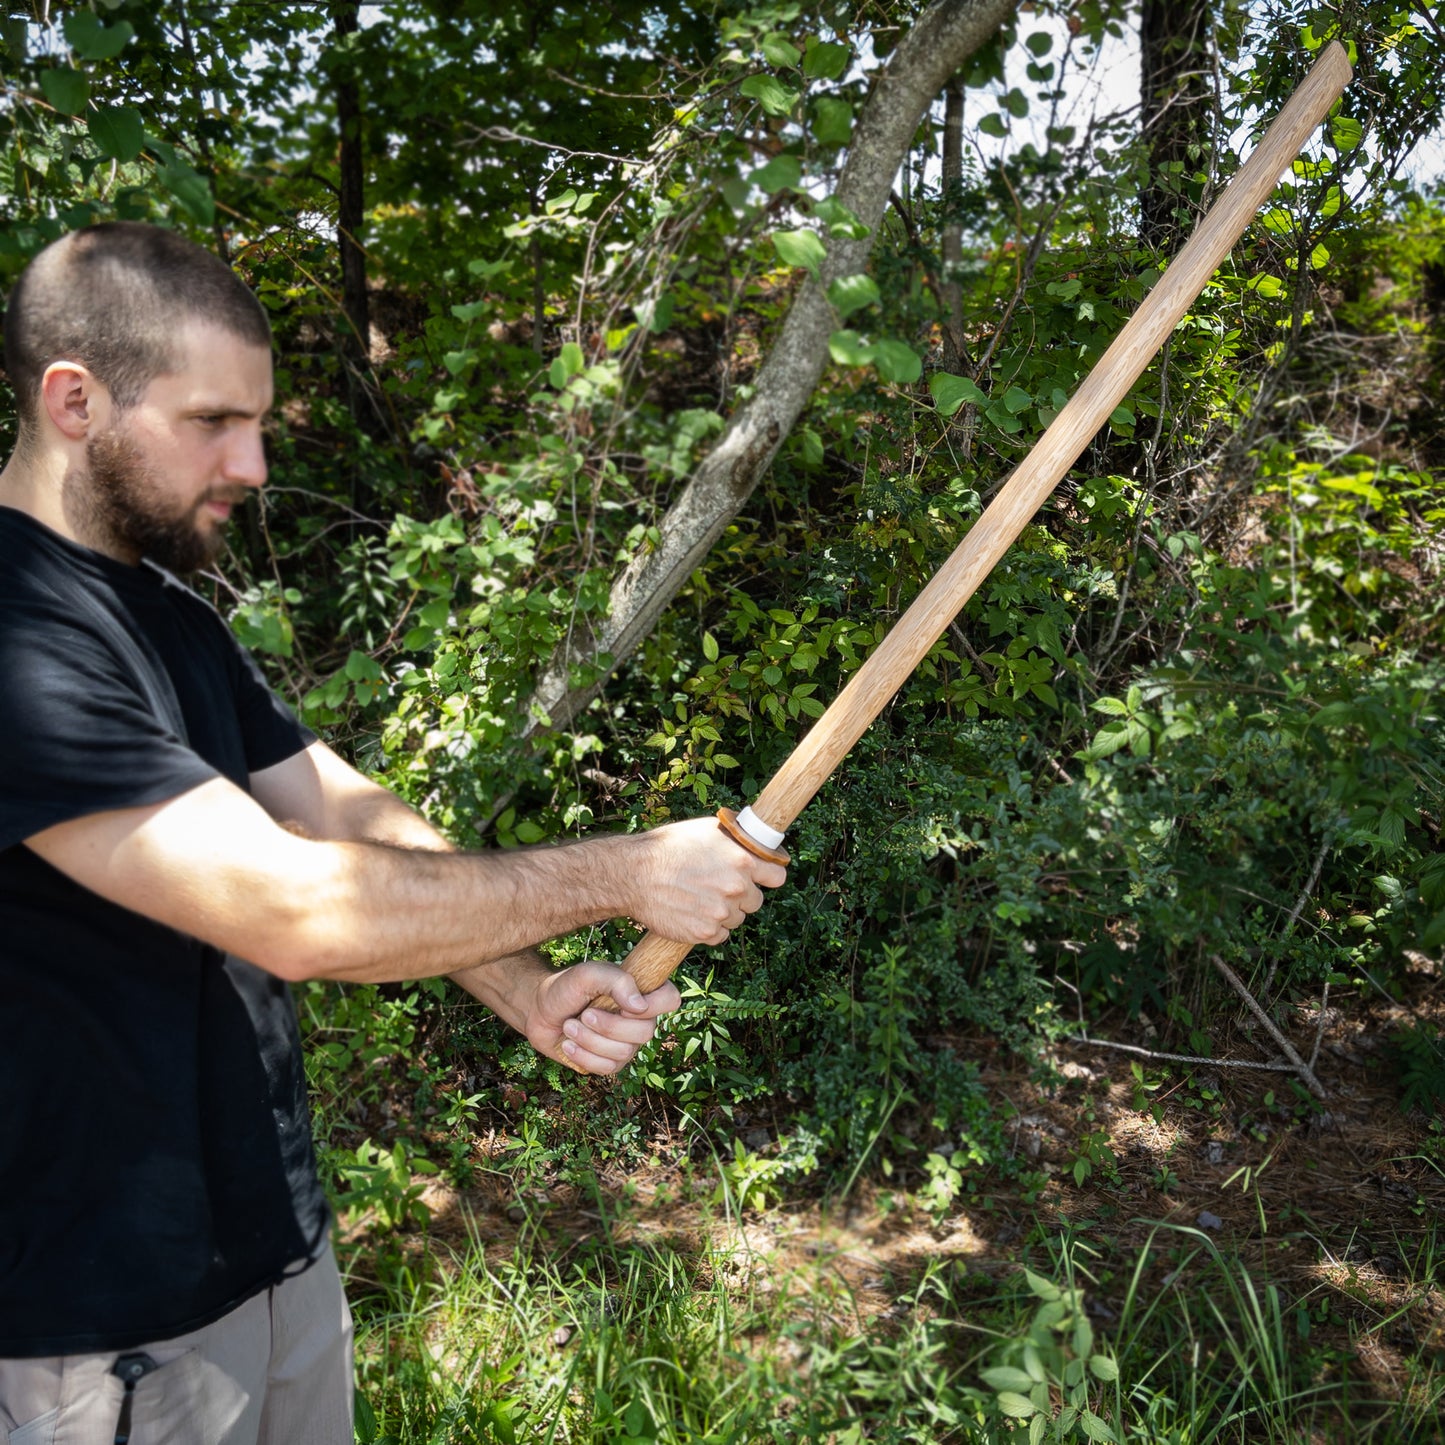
{"x":561,"y":1335}
{"x":1207,"y":1220}
{"x":1099,"y":1310}
{"x":1214,"y":1152}
{"x":516,"y":1213}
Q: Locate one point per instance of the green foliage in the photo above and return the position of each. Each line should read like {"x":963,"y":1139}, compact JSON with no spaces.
{"x":1196,"y":708}
{"x":1420,"y":1060}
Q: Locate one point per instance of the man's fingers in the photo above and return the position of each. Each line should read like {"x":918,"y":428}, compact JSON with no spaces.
{"x":768,"y":875}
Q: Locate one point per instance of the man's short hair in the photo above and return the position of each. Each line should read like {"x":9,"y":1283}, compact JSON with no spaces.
{"x":114,"y":297}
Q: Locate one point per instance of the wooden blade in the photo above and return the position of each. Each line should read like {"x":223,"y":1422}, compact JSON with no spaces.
{"x":868,"y":691}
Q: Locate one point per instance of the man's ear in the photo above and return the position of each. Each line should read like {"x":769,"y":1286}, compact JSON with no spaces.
{"x":76,"y":402}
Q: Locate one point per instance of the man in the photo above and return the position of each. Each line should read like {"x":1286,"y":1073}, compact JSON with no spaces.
{"x":164,"y":1269}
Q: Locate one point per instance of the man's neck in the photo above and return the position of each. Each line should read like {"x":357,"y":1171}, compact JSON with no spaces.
{"x":34,"y":482}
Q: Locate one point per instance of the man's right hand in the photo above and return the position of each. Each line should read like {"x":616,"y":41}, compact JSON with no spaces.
{"x":698,"y":884}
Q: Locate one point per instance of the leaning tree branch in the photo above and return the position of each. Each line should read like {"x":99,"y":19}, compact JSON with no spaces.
{"x":946,"y":34}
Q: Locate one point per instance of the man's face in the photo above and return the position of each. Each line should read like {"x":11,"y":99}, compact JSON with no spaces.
{"x":162,"y":480}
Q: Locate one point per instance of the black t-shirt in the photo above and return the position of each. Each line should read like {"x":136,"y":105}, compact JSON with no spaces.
{"x":155,"y":1151}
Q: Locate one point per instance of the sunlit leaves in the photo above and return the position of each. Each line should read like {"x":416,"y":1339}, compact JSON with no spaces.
{"x":770,"y":93}
{"x":896,"y":361}
{"x":851,"y":293}
{"x":951,"y":392}
{"x":800,"y":248}
{"x":847,"y":348}
{"x":1346,"y":133}
{"x":780,"y":51}
{"x":568,"y":363}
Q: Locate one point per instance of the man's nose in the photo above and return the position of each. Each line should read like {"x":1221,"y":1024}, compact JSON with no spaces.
{"x":245,"y":462}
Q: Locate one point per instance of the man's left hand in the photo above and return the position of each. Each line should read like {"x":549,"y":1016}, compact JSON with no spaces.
{"x":561,"y":1024}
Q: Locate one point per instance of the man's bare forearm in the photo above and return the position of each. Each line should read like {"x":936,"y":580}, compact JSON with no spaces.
{"x":376,"y":912}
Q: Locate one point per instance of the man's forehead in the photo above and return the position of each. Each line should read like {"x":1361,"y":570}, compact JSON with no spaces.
{"x":211,"y":359}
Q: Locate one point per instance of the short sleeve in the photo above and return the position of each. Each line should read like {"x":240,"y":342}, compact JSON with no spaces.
{"x":78,"y":734}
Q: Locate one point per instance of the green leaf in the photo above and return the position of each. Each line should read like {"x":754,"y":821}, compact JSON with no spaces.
{"x":848,"y":349}
{"x":1017,"y":103}
{"x":1020,"y":1407}
{"x":774,"y":97}
{"x":92,"y":39}
{"x":1016,"y":399}
{"x":657,"y":315}
{"x":1103,"y":1368}
{"x":782,"y":173}
{"x":457,"y":362}
{"x":118,"y":132}
{"x":571,"y":359}
{"x":1122,"y":416}
{"x":993,"y":125}
{"x":832,"y":121}
{"x":897,"y":362}
{"x":825,"y":60}
{"x":67,"y":90}
{"x":1095,"y":1428}
{"x":709,"y":647}
{"x":851,"y":293}
{"x":800,"y":248}
{"x":1006,"y":1377}
{"x":839,"y":220}
{"x":1041,"y":1288}
{"x":1040,"y":43}
{"x":951,"y":392}
{"x":1346,"y":132}
{"x":189,"y":187}
{"x":780,"y":51}
{"x":1270,"y":287}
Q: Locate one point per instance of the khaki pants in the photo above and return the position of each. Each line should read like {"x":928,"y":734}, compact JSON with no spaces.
{"x":275,"y":1371}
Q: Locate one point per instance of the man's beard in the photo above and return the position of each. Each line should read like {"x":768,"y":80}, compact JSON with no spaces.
{"x":132,"y":513}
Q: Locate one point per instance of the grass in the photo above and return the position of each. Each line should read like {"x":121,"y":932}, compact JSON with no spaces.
{"x":543,"y":1294}
{"x":626,"y":1337}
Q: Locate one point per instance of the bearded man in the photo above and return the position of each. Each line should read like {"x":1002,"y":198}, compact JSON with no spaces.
{"x":175,"y":851}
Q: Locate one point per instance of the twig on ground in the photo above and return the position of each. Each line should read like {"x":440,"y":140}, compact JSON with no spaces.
{"x":1320,"y":1028}
{"x":1306,"y":1073}
{"x":1178,"y":1058}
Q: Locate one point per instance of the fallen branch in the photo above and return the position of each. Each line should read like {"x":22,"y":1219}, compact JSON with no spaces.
{"x":1154,"y":1054}
{"x":1306,"y":1073}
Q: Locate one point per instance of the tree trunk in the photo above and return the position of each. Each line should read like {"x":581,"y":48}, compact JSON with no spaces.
{"x":954,"y":356}
{"x":946,"y":34}
{"x":355,"y":345}
{"x":1176,"y":101}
